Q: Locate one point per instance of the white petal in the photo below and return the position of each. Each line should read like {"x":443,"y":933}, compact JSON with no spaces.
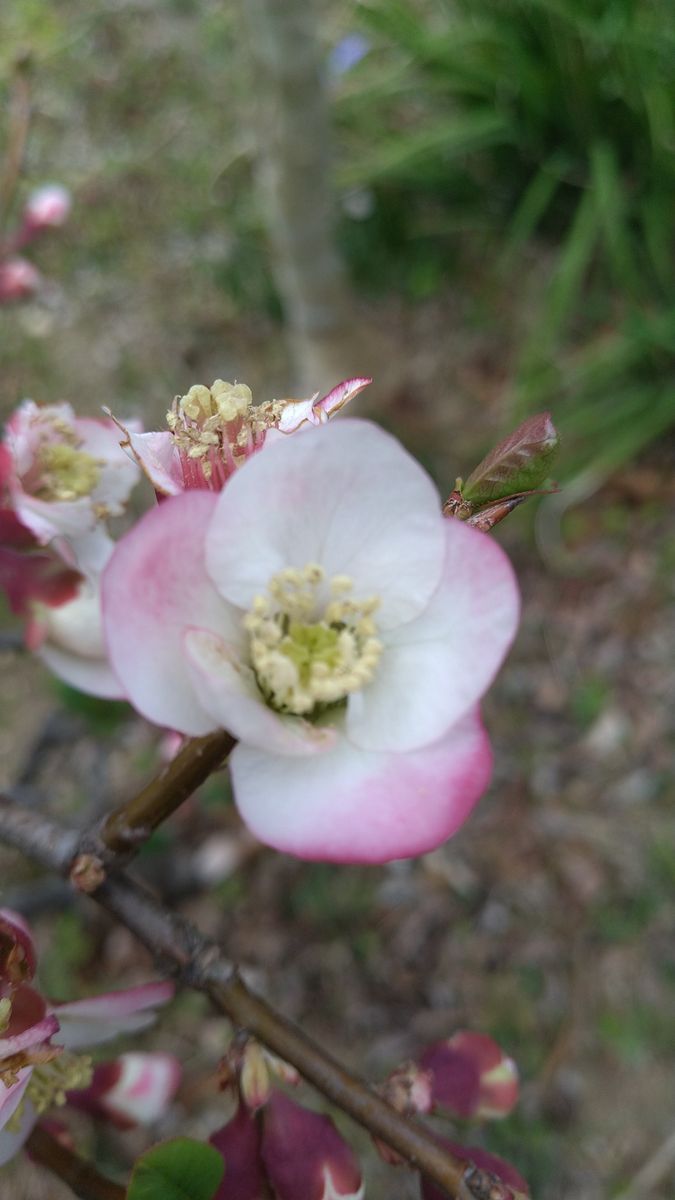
{"x":11,"y":1143}
{"x":98,"y":1019}
{"x":435,"y":668}
{"x":346,"y":496}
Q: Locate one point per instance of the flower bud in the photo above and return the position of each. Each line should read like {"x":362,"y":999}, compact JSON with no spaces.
{"x":17,"y":951}
{"x":18,"y":279}
{"x":304,"y":1155}
{"x":239,"y":1144}
{"x":472,"y":1076}
{"x":134,"y":1089}
{"x":409,"y":1090}
{"x":47,"y":208}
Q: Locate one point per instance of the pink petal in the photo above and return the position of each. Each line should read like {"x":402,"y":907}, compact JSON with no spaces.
{"x":352,"y":805}
{"x":99,"y":1018}
{"x":305,"y":1156}
{"x":348,"y":497}
{"x":437,"y":667}
{"x":26,"y":578}
{"x":155,"y":588}
{"x":239,"y":1144}
{"x":227,"y":688}
{"x":29,"y":1022}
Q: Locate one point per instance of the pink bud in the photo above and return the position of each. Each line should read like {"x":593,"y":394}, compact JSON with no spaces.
{"x":504,"y":1182}
{"x":472,"y":1076}
{"x":47,"y":207}
{"x":134,"y":1089}
{"x":18,"y":279}
{"x":305,"y":1156}
{"x":239,"y":1144}
{"x":17,"y":951}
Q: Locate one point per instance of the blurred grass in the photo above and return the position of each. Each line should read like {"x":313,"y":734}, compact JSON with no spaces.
{"x":534,"y":126}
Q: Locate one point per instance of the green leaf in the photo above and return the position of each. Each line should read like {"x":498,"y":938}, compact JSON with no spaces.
{"x":181,"y":1169}
{"x":520,"y":463}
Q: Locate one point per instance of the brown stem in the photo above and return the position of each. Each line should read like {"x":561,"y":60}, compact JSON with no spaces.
{"x":80,"y":1175}
{"x":199,"y":963}
{"x":17,"y":135}
{"x":127,"y":827}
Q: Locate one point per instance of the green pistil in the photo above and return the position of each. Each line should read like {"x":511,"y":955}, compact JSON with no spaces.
{"x":307,"y":645}
{"x":66,"y":473}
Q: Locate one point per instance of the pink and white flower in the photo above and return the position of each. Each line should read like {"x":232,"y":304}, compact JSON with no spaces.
{"x":134,"y":1089}
{"x":67,"y":475}
{"x":35,"y":1072}
{"x":213,"y":431}
{"x":323,"y":611}
{"x":69,"y":639}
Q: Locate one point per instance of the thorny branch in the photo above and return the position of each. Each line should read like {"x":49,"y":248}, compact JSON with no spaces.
{"x":197,"y":962}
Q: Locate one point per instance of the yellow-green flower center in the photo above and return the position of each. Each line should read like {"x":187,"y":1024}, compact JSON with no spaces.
{"x":220,"y":422}
{"x":311,"y":644}
{"x":66,"y":473}
{"x":50,"y":1082}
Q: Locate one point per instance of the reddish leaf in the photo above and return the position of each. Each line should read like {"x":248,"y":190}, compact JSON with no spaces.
{"x":520,"y":463}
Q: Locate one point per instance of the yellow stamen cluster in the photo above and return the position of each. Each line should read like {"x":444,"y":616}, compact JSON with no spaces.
{"x":220,"y":418}
{"x":66,"y":473}
{"x":311,"y":645}
{"x":49,"y":1084}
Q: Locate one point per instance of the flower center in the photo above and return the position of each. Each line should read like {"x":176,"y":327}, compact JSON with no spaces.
{"x":66,"y":473}
{"x":50,"y":1082}
{"x":311,"y":644}
{"x":216,"y":429}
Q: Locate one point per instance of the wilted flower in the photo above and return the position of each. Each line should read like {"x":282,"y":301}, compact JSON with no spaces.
{"x":324,"y":612}
{"x":239,"y":1142}
{"x":213,"y":431}
{"x":35,"y":1073}
{"x":472,"y":1076}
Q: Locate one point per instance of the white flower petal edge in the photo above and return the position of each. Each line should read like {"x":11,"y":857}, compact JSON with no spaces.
{"x":352,"y":805}
{"x":351,"y":499}
{"x":154,"y":588}
{"x":73,"y":646}
{"x":10,"y":1098}
{"x":435,"y":668}
{"x":98,"y":1019}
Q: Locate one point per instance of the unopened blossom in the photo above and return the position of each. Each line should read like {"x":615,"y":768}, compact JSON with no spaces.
{"x":47,"y":207}
{"x":214,"y":430}
{"x":40,"y":1042}
{"x":323,"y":611}
{"x":239,"y":1142}
{"x":134,"y":1089}
{"x":18,"y":279}
{"x":68,"y":474}
{"x":304,"y":1155}
{"x":472,"y":1076}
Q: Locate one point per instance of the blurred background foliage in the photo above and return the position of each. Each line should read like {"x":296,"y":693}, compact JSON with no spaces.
{"x":526,"y":143}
